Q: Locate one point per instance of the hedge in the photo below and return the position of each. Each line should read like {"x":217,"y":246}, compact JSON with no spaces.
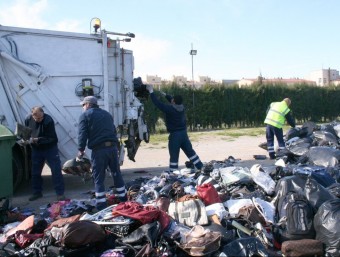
{"x":221,"y":106}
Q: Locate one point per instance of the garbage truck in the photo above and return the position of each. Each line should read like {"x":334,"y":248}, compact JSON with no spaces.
{"x":56,"y":70}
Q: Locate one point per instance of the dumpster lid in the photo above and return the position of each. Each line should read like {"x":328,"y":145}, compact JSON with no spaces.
{"x":5,"y":133}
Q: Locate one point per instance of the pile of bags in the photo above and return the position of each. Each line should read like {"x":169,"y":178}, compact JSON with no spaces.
{"x":291,"y":208}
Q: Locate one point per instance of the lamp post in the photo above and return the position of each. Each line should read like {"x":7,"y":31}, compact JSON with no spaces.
{"x":192,"y":53}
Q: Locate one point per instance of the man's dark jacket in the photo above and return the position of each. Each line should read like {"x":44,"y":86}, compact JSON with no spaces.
{"x":95,"y":127}
{"x":44,"y":131}
{"x":174,"y":114}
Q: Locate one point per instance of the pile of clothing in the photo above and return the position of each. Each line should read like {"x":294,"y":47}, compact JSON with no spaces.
{"x":291,"y":208}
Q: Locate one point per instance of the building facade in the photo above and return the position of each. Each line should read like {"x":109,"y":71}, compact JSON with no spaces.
{"x":324,"y":77}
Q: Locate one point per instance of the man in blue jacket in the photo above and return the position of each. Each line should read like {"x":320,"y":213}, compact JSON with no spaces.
{"x":98,"y":132}
{"x":175,"y":122}
{"x":44,"y":142}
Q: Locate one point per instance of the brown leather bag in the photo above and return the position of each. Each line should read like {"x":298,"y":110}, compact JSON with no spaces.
{"x":302,"y":248}
{"x":81,"y":233}
{"x":251,"y":213}
{"x":163,"y":202}
{"x":204,"y":245}
{"x":63,"y":221}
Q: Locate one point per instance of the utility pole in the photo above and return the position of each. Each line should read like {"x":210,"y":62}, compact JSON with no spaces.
{"x":192,"y":53}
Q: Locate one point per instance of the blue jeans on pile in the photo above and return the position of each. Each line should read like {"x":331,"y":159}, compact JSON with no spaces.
{"x":51,"y":157}
{"x":103,"y":158}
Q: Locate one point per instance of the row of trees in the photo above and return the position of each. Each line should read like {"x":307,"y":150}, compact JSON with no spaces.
{"x":216,"y":107}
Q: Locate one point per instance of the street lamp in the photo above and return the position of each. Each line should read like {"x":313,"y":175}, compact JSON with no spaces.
{"x":192,"y":53}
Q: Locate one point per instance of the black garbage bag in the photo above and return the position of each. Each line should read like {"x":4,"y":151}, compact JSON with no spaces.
{"x":299,"y":146}
{"x":321,"y":174}
{"x":336,"y":127}
{"x":310,"y":127}
{"x":296,"y":132}
{"x":325,"y":138}
{"x":323,"y":156}
{"x":327,"y":226}
{"x":316,"y":193}
{"x":295,"y":183}
{"x":292,"y":133}
{"x":328,"y":128}
{"x":334,"y":189}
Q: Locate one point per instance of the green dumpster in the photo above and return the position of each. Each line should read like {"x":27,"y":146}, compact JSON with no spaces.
{"x":7,"y":140}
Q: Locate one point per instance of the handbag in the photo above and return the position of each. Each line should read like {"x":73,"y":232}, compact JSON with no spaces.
{"x":208,"y":194}
{"x":120,"y":229}
{"x":163,"y":202}
{"x":189,"y":213}
{"x":200,"y":242}
{"x":244,"y":247}
{"x":81,"y":233}
{"x":147,"y":233}
{"x":301,"y":248}
{"x":252,"y":213}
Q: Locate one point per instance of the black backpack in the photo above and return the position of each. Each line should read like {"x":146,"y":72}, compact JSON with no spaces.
{"x":296,"y":218}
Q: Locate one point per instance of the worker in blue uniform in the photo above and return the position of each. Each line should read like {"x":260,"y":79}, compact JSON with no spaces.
{"x":98,"y":132}
{"x":175,"y":122}
{"x":44,"y":142}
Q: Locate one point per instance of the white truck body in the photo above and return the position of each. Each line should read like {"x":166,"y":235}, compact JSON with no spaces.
{"x":55,"y":69}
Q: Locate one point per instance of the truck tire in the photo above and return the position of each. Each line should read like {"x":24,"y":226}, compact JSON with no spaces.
{"x":18,"y":170}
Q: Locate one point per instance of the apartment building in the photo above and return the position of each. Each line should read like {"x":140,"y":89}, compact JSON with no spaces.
{"x":324,"y":77}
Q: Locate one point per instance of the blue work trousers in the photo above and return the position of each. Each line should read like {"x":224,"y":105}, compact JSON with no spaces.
{"x":179,"y":140}
{"x":103,"y":158}
{"x":51,"y":157}
{"x":272,"y":131}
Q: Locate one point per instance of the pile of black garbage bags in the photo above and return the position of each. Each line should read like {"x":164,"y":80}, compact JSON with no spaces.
{"x":291,"y":208}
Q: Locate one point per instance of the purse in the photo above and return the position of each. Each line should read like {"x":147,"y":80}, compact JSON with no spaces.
{"x":301,"y":248}
{"x":147,"y":233}
{"x":200,"y":242}
{"x":189,"y":213}
{"x":208,"y":194}
{"x":250,"y":212}
{"x":81,"y":233}
{"x":163,"y":202}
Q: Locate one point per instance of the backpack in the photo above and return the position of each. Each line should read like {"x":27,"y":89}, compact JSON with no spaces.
{"x":296,"y":218}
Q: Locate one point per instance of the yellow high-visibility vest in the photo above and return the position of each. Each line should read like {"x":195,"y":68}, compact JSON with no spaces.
{"x":276,"y":114}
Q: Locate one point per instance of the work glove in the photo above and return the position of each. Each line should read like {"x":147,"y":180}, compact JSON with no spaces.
{"x":149,"y":88}
{"x":162,"y":93}
{"x":23,"y":142}
{"x":33,"y":140}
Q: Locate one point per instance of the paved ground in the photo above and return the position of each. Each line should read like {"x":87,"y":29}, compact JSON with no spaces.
{"x":151,"y":159}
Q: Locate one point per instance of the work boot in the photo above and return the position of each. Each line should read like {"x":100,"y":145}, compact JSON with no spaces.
{"x":35,"y":196}
{"x":272,"y":156}
{"x":101,"y":206}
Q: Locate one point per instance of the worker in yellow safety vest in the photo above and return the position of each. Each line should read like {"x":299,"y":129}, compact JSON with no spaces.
{"x":277,"y":114}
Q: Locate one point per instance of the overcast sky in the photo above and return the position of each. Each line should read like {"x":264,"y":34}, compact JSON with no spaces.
{"x":234,"y":39}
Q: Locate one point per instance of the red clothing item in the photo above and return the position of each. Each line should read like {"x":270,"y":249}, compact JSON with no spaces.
{"x":145,"y":214}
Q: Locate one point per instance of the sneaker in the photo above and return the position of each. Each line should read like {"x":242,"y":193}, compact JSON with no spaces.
{"x":61,"y":197}
{"x":35,"y":196}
